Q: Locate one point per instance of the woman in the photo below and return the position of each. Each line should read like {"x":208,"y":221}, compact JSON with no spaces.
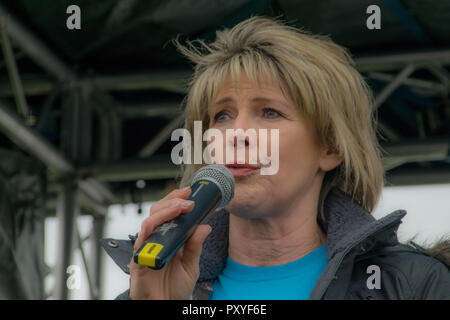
{"x":306,"y":231}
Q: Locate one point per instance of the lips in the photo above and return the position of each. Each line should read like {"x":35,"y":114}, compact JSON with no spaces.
{"x":242,"y":170}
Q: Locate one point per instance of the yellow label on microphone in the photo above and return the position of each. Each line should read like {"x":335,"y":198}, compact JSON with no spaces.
{"x":148,"y":254}
{"x":204,"y":182}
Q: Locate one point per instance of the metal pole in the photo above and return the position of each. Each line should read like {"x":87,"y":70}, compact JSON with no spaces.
{"x":32,"y":85}
{"x":97,"y":253}
{"x":393,"y":85}
{"x":35,"y":49}
{"x":153,"y":145}
{"x":111,"y":126}
{"x":173,"y":80}
{"x":158,"y":168}
{"x":69,"y":209}
{"x":92,"y":288}
{"x":144,"y":110}
{"x":11,"y":66}
{"x":67,"y":214}
{"x":398,"y":61}
{"x":431,"y":86}
{"x":31,"y":141}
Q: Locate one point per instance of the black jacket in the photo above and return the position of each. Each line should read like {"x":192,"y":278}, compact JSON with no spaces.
{"x":359,"y":249}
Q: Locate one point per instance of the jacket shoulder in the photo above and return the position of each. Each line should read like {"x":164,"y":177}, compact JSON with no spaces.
{"x":411,"y":272}
{"x":411,"y":253}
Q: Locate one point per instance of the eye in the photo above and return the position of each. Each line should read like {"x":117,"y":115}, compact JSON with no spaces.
{"x":220,"y":116}
{"x":271,"y":113}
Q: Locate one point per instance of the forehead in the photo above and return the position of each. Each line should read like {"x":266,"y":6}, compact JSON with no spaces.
{"x":242,"y":84}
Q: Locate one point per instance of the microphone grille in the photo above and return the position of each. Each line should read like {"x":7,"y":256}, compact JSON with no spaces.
{"x":221,"y":176}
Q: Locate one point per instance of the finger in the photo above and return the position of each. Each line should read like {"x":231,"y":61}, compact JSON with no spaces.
{"x":169,"y":204}
{"x":193,"y":247}
{"x":186,"y":205}
{"x":175,"y":194}
{"x":178,"y":193}
{"x":146,"y":230}
{"x":163,"y":215}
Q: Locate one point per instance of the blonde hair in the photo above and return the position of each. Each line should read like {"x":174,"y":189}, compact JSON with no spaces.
{"x":320,"y":77}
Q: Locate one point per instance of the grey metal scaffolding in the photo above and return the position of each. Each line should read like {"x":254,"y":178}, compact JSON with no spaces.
{"x":96,"y":194}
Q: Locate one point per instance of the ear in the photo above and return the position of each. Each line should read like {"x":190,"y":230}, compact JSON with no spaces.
{"x":329,"y":159}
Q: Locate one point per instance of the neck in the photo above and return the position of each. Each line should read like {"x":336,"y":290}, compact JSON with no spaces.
{"x":279,"y":238}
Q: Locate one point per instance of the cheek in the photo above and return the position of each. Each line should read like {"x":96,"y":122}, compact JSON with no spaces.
{"x":297,"y":152}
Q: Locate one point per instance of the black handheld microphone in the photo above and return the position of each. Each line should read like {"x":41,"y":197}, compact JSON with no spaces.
{"x":212,"y":189}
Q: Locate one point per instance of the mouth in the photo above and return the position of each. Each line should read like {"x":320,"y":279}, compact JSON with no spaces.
{"x":242,"y":170}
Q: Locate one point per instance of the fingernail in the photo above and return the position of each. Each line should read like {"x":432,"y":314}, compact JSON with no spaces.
{"x":185,"y":188}
{"x":187,"y":203}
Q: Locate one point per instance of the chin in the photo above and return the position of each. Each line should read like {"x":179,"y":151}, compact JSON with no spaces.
{"x":245,"y":206}
{"x":251,"y":196}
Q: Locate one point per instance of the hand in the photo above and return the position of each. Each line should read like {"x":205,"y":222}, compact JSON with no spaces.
{"x":176,"y":280}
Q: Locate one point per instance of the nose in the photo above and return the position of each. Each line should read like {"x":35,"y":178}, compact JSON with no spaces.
{"x":242,"y":142}
{"x":241,"y":124}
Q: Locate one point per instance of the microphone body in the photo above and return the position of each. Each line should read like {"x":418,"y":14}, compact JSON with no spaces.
{"x":212,"y":188}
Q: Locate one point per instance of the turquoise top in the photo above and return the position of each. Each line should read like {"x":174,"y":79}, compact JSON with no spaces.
{"x":291,"y":281}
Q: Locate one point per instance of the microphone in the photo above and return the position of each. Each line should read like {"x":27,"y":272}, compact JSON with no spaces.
{"x":212,"y":189}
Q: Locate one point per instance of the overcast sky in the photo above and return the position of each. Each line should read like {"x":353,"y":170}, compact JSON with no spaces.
{"x":427,"y":219}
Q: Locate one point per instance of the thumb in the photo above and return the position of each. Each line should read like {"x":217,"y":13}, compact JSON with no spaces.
{"x":193,"y":247}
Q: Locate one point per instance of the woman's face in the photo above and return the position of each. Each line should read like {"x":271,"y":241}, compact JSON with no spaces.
{"x":302,"y":161}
